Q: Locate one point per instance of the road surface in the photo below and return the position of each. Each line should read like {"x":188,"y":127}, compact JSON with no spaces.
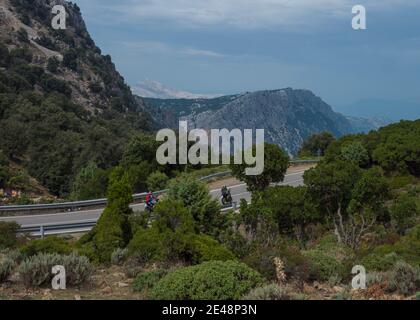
{"x":238,"y":192}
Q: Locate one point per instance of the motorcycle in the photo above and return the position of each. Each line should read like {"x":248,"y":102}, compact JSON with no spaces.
{"x":150,"y":206}
{"x":226,"y":198}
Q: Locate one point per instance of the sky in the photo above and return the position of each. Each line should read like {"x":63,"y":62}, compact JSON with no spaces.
{"x":234,"y":46}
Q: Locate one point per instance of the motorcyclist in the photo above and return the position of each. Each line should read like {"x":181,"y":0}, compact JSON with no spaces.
{"x":150,"y":201}
{"x":226,"y":195}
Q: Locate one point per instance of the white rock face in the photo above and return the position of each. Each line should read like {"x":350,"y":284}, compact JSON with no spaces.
{"x":288,"y":117}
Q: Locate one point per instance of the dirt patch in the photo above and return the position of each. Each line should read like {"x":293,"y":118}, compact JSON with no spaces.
{"x":108,"y":284}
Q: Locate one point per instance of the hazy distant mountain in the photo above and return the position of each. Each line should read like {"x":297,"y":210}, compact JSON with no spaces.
{"x":383,"y":109}
{"x":288,"y":116}
{"x":364,"y":125}
{"x":155,"y":89}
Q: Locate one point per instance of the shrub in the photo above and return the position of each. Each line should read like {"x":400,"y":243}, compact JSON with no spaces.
{"x":51,"y":84}
{"x":268,"y":292}
{"x":378,"y":262}
{"x":355,"y":152}
{"x":147,"y":280}
{"x":404,"y":278}
{"x":329,"y":260}
{"x":8,"y":234}
{"x":207,"y":249}
{"x":118,"y":256}
{"x":35,"y":271}
{"x":70,"y":59}
{"x":157,"y":181}
{"x":147,"y":246}
{"x":6,"y":267}
{"x":404,"y":213}
{"x":214,"y":280}
{"x":196,"y":198}
{"x":113,"y":229}
{"x":47,"y":245}
{"x":78,"y":269}
{"x":408,"y":247}
{"x":262,"y":260}
{"x":22,"y":35}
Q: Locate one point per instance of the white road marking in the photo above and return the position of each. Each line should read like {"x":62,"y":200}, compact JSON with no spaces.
{"x":100,"y":210}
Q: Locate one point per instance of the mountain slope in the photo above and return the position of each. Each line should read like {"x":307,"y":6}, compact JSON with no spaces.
{"x":62,"y":103}
{"x":288,"y":116}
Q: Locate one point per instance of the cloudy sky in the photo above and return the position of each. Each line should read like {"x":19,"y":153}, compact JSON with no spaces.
{"x":232,"y":46}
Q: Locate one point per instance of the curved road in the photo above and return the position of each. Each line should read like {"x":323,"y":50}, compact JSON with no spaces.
{"x":238,"y":192}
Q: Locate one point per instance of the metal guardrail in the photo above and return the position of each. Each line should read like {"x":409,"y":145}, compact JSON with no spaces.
{"x":77,"y":205}
{"x":69,"y":205}
{"x":215,"y":175}
{"x":63,"y":228}
{"x":41,"y":230}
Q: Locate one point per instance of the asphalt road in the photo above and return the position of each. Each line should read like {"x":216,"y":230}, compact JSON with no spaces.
{"x":238,"y":192}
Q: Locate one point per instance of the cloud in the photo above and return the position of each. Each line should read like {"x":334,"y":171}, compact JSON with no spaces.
{"x":248,"y":14}
{"x":153,"y":47}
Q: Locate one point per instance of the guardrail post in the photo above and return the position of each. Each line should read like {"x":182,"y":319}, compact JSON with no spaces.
{"x":41,"y":231}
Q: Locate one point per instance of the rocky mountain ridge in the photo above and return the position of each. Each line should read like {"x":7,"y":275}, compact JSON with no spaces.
{"x":288,"y":116}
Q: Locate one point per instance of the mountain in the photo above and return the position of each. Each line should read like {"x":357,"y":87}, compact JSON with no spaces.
{"x":382,"y":109}
{"x":154,"y":89}
{"x":62,"y":103}
{"x":364,"y":125}
{"x":288,"y":116}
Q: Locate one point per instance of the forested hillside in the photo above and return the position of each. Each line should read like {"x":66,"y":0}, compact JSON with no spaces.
{"x":62,"y":103}
{"x":360,"y":206}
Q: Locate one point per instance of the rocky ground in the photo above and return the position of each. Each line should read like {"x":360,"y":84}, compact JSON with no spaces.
{"x":113,"y":284}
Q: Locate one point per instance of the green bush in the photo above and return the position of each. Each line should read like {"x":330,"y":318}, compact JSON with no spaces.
{"x":47,"y":245}
{"x":113,"y":229}
{"x":404,"y":278}
{"x":329,"y":260}
{"x":207,"y":249}
{"x":118,"y":256}
{"x":35,"y":271}
{"x":147,"y":280}
{"x":378,"y":262}
{"x":51,"y":84}
{"x":268,"y":292}
{"x":6,"y":268}
{"x":407,"y":247}
{"x":356,"y":153}
{"x":196,"y":198}
{"x":7,"y":264}
{"x":171,"y":237}
{"x":8,"y":234}
{"x":147,"y":246}
{"x":404,"y":213}
{"x":157,"y":181}
{"x":214,"y":280}
{"x":53,"y":64}
{"x":262,"y":260}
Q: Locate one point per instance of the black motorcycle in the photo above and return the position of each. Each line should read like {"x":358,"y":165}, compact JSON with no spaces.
{"x":226,"y":198}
